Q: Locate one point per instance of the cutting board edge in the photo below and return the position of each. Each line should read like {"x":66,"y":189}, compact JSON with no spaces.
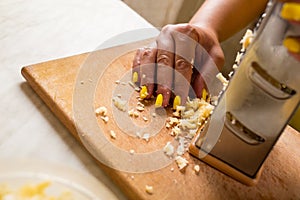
{"x":115,"y":175}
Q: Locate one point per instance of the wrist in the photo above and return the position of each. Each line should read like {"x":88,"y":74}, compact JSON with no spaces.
{"x":208,"y":37}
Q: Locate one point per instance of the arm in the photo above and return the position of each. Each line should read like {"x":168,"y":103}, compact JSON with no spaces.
{"x":226,"y":17}
{"x":179,"y":48}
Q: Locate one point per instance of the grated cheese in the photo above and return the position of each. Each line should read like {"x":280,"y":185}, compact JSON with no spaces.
{"x":131,"y":151}
{"x":102,"y":110}
{"x":222,"y":78}
{"x":113,"y":134}
{"x":197,"y":169}
{"x":181,"y":162}
{"x":247,"y":39}
{"x":105,"y":118}
{"x":149,"y":189}
{"x":146,"y":137}
{"x":119,"y":103}
{"x":140,"y":108}
{"x":168,"y":149}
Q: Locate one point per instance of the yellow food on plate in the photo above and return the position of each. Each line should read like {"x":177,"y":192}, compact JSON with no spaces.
{"x":32,"y":192}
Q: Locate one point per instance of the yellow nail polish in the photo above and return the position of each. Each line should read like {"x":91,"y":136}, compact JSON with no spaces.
{"x":292,"y":45}
{"x":204,"y":94}
{"x":135,"y":77}
{"x":159,"y":100}
{"x":177,"y":102}
{"x":290,"y":11}
{"x":143,"y":92}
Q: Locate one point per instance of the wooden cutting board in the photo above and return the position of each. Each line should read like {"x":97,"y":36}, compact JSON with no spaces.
{"x":58,"y":82}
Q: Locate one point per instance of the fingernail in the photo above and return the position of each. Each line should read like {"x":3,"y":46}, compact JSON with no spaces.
{"x":204,"y":94}
{"x":143,"y":92}
{"x":135,"y":77}
{"x":292,"y":45}
{"x":159,"y":100}
{"x":290,"y":11}
{"x":177,"y":102}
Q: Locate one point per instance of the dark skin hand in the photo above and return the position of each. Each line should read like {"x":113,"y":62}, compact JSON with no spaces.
{"x":182,"y":46}
{"x":178,"y":48}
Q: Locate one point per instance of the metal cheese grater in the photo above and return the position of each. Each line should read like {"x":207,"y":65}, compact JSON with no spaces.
{"x":255,"y":108}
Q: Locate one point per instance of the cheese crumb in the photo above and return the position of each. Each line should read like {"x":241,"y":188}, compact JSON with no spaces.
{"x":138,"y":134}
{"x":130,"y":112}
{"x":102,"y":111}
{"x":105,"y":118}
{"x":169,"y":149}
{"x":181,"y":162}
{"x":176,"y":131}
{"x":197,"y":169}
{"x":140,"y":104}
{"x":131,"y":151}
{"x":136,"y":114}
{"x":140,"y":108}
{"x":149,"y":189}
{"x":238,"y":58}
{"x":146,"y":137}
{"x":247,"y":39}
{"x":113,"y":134}
{"x":222,"y":78}
{"x":180,"y":149}
{"x":119,"y":103}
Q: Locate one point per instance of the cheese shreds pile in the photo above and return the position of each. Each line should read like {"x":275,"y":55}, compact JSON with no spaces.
{"x":245,"y":41}
{"x":184,"y":124}
{"x":187,"y":119}
{"x":32,"y":192}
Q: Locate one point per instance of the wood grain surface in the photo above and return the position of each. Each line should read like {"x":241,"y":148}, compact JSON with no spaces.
{"x":56,"y":82}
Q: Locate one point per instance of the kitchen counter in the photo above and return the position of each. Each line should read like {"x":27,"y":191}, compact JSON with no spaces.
{"x":34,"y":31}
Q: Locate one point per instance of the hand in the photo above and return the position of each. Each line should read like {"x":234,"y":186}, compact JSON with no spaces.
{"x":291,"y":11}
{"x":181,"y":47}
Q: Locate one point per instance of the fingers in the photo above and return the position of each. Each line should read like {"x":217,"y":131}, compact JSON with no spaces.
{"x":143,"y":71}
{"x":198,"y":84}
{"x":291,"y":11}
{"x":185,"y":38}
{"x":176,"y":50}
{"x":177,"y":47}
{"x":165,"y":62}
{"x":205,"y":72}
{"x":292,"y":44}
{"x":147,"y":69}
{"x":136,"y":67}
{"x":164,"y":77}
{"x":208,"y":63}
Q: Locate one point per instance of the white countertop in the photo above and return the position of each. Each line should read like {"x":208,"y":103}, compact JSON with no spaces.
{"x":33,"y":31}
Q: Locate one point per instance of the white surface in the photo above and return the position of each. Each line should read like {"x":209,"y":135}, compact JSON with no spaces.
{"x":15,"y":174}
{"x":33,"y":31}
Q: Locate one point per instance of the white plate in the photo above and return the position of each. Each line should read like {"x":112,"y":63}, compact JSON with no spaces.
{"x":17,"y":173}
